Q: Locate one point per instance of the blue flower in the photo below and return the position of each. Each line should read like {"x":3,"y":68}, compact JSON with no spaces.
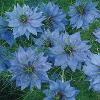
{"x":83,"y":13}
{"x":70,"y":51}
{"x":6,"y":32}
{"x":92,"y":70}
{"x":54,"y":17}
{"x":24,"y":21}
{"x":46,"y":41}
{"x":29,"y":69}
{"x":60,"y":91}
{"x":97,"y":35}
{"x":95,"y":83}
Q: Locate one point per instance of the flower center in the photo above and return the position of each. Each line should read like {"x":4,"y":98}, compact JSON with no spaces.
{"x":58,"y":96}
{"x":48,"y":22}
{"x":68,"y":49}
{"x":23,"y":18}
{"x":48,"y":43}
{"x":80,"y":9}
{"x":29,"y":69}
{"x":9,"y":29}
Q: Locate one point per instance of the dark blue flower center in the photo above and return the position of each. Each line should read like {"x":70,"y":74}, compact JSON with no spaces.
{"x":58,"y":96}
{"x":29,"y":69}
{"x":80,"y":9}
{"x":68,"y":49}
{"x":9,"y":29}
{"x":23,"y":18}
{"x":48,"y":22}
{"x":48,"y":43}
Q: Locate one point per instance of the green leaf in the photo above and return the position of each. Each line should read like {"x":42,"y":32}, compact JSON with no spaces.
{"x":34,"y":95}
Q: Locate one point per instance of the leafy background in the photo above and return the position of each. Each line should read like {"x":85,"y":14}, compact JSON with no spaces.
{"x":8,"y":90}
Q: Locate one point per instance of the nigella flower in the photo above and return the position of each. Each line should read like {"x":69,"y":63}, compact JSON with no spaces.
{"x":6,"y":32}
{"x":92,"y":70}
{"x":70,"y":51}
{"x":54,"y":17}
{"x":83,"y":13}
{"x":60,"y":91}
{"x":24,"y":21}
{"x":29,"y":68}
{"x":97,"y":35}
{"x":95,"y":83}
{"x":46,"y":41}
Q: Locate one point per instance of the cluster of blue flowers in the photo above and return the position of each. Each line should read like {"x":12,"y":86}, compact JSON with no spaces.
{"x":54,"y":47}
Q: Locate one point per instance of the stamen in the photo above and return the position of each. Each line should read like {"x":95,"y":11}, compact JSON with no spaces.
{"x":80,"y":9}
{"x":68,"y":49}
{"x":23,"y":18}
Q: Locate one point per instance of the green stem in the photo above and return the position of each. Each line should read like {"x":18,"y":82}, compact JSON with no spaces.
{"x":62,"y":76}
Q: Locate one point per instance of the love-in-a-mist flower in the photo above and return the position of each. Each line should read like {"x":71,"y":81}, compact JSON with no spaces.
{"x":23,"y":20}
{"x":60,"y":91}
{"x":92,"y":70}
{"x":6,"y":32}
{"x":54,"y":17}
{"x":82,"y":13}
{"x":29,"y":69}
{"x":70,"y":51}
{"x":97,"y":34}
{"x":46,"y":41}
